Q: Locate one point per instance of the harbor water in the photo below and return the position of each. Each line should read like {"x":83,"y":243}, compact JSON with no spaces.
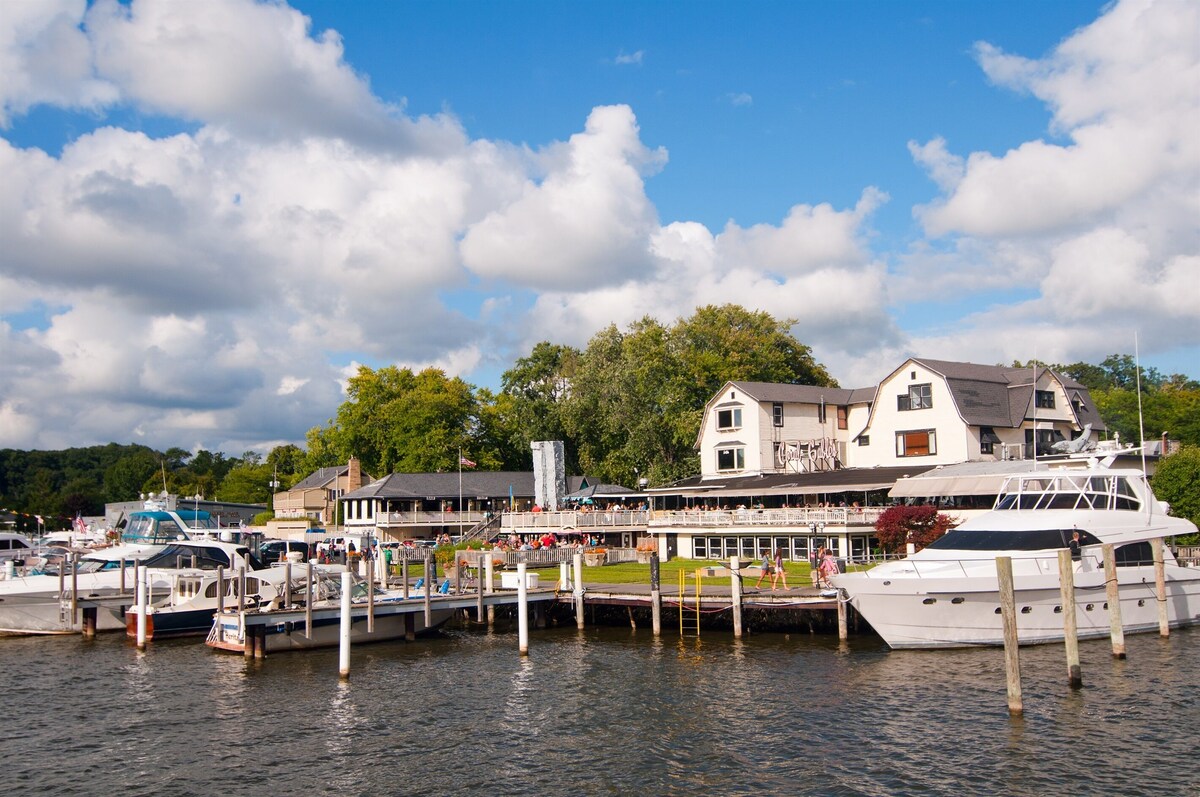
{"x":604,"y":711}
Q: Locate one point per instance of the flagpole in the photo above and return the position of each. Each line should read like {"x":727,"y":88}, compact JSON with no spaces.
{"x":460,"y":506}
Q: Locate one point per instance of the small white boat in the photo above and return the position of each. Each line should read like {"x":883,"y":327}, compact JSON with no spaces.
{"x":287,"y":629}
{"x":195,"y":595}
{"x":947,"y":595}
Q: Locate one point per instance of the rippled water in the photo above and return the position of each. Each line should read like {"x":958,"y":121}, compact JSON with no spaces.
{"x":604,"y":711}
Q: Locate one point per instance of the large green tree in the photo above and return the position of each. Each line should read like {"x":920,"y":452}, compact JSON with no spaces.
{"x":1177,"y":481}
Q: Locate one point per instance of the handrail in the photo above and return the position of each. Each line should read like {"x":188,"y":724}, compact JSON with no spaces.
{"x":575,"y":519}
{"x":718,"y":518}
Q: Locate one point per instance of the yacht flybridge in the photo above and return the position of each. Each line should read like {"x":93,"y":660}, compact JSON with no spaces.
{"x":946,"y":595}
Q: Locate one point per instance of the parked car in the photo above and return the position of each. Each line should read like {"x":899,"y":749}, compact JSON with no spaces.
{"x":275,"y":550}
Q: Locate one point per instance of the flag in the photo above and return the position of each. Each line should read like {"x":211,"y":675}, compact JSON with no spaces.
{"x":80,"y":526}
{"x":466,"y":463}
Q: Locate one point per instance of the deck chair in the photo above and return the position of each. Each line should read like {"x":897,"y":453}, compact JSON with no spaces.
{"x":445,"y":588}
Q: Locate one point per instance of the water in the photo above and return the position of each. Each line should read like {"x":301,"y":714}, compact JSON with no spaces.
{"x":603,"y":712}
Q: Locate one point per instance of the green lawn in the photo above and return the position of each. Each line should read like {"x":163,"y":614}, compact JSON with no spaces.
{"x":634,"y":573}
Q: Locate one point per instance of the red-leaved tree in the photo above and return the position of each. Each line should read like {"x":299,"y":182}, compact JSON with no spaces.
{"x":920,"y":525}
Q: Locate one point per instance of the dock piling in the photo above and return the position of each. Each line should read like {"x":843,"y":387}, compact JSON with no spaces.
{"x":1112,"y":590}
{"x":523,"y":610}
{"x":220,"y":601}
{"x":308,"y":600}
{"x":1008,"y":611}
{"x":429,"y":577}
{"x":1160,"y":587}
{"x":655,"y":595}
{"x":344,"y":633}
{"x":564,"y":580}
{"x":578,"y":568}
{"x":1066,"y":586}
{"x":141,"y":577}
{"x":735,"y":582}
{"x":843,"y":631}
{"x":404,"y":578}
{"x":490,"y":586}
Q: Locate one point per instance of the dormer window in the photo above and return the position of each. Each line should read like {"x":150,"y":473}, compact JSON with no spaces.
{"x":1045,"y":399}
{"x":919,"y":397}
{"x":729,"y":418}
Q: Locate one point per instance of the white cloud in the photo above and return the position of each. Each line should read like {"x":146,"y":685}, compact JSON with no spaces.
{"x":739,"y":99}
{"x":630,"y":59}
{"x":46,"y":58}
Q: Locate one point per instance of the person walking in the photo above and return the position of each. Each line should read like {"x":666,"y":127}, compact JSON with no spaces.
{"x":766,"y":568}
{"x":780,"y":574}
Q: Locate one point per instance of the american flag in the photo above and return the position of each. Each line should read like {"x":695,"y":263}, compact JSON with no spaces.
{"x":466,"y":463}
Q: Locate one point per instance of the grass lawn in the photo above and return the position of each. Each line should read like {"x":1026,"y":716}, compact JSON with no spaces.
{"x":634,"y":573}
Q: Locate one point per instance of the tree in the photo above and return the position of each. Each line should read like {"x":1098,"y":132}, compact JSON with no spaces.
{"x":1177,"y":481}
{"x":246,"y":484}
{"x":920,"y":525}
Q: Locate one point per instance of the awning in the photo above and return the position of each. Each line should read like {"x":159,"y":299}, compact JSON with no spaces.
{"x":931,"y":486}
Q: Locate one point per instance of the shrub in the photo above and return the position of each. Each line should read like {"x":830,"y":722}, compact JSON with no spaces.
{"x":920,"y":525}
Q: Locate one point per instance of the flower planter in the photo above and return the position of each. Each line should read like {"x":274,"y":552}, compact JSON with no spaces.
{"x":594,"y":559}
{"x":643,"y":557}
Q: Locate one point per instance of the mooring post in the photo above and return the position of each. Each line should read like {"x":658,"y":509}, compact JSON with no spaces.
{"x":74,"y":586}
{"x":522,"y":611}
{"x":428,"y":590}
{"x":308,"y":599}
{"x":564,"y":580}
{"x":1160,"y":587}
{"x":370,"y":603}
{"x":220,"y":602}
{"x":490,"y":585}
{"x":260,"y":645}
{"x":578,"y":568}
{"x":404,"y":577}
{"x":241,"y":588}
{"x":735,"y":592}
{"x":1008,"y":612}
{"x":122,"y":589}
{"x":843,"y":630}
{"x":287,"y":589}
{"x":410,"y":626}
{"x":655,"y":595}
{"x":1112,"y":590}
{"x":479,"y":590}
{"x":141,"y":577}
{"x":89,"y":622}
{"x":1066,"y":587}
{"x":344,"y":631}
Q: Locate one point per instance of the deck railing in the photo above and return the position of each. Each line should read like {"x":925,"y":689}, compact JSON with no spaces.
{"x":426,"y":518}
{"x":575,"y":520}
{"x":722,"y":518}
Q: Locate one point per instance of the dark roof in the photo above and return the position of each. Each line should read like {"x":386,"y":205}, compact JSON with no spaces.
{"x":475,"y":484}
{"x":320,"y":477}
{"x":998,"y":395}
{"x":802,"y":394}
{"x":833,"y":481}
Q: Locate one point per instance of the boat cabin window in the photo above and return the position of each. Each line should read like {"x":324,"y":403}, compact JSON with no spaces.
{"x":986,"y":540}
{"x":1134,"y":555}
{"x":1068,"y":491}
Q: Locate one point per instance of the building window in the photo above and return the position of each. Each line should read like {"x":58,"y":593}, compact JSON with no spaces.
{"x":916,"y":444}
{"x":864,"y":440}
{"x":777,"y":413}
{"x":729,"y":419}
{"x":987,"y":439}
{"x":1045,"y":399}
{"x":841,"y":412}
{"x":919,"y":397}
{"x":731,"y":459}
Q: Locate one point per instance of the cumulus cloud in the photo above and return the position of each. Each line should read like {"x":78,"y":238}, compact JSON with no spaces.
{"x":630,"y":59}
{"x":1090,"y":233}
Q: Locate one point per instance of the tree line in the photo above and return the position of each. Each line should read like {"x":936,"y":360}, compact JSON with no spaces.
{"x":627,"y":406}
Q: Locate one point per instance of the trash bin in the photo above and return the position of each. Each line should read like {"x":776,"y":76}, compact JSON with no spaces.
{"x":841,"y":563}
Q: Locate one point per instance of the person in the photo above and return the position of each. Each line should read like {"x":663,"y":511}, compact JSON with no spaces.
{"x":1074,"y":545}
{"x":766,"y":568}
{"x":780,"y":573}
{"x":828,"y":568}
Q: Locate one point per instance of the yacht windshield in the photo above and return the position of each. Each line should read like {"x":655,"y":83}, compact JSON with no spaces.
{"x":986,"y":540}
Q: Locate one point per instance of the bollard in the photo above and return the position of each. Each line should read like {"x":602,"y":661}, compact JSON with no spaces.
{"x":655,"y":595}
{"x":1008,"y":610}
{"x":141,"y":603}
{"x":578,"y":567}
{"x":564,"y":581}
{"x":735,"y":582}
{"x":344,"y":633}
{"x":523,"y":611}
{"x":370,"y":604}
{"x":479,"y":595}
{"x":490,"y":586}
{"x":404,"y":577}
{"x":1066,"y":587}
{"x":1160,"y":587}
{"x":1112,"y":590}
{"x":122,"y":589}
{"x":287,"y":588}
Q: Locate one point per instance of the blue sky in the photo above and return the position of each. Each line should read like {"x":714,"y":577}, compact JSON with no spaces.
{"x":217,"y":210}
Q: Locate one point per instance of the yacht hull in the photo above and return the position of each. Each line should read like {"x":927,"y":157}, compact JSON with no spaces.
{"x":932,"y":612}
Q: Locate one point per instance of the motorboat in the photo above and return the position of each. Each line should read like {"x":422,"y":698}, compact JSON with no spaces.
{"x":286,"y":626}
{"x":196,"y":594}
{"x":947,"y":594}
{"x":48,"y":604}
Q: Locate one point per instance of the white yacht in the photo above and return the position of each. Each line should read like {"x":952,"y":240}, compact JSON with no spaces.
{"x":42,"y":604}
{"x":946,"y":595}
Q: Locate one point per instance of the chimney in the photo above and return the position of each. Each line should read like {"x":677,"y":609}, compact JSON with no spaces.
{"x":353,"y":475}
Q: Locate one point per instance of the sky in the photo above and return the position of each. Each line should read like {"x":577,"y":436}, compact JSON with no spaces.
{"x":212,"y":213}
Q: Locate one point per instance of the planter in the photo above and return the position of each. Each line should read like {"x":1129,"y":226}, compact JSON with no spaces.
{"x":594,"y":559}
{"x":643,"y":557}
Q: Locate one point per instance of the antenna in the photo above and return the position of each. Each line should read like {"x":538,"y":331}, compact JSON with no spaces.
{"x":1137,"y":362}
